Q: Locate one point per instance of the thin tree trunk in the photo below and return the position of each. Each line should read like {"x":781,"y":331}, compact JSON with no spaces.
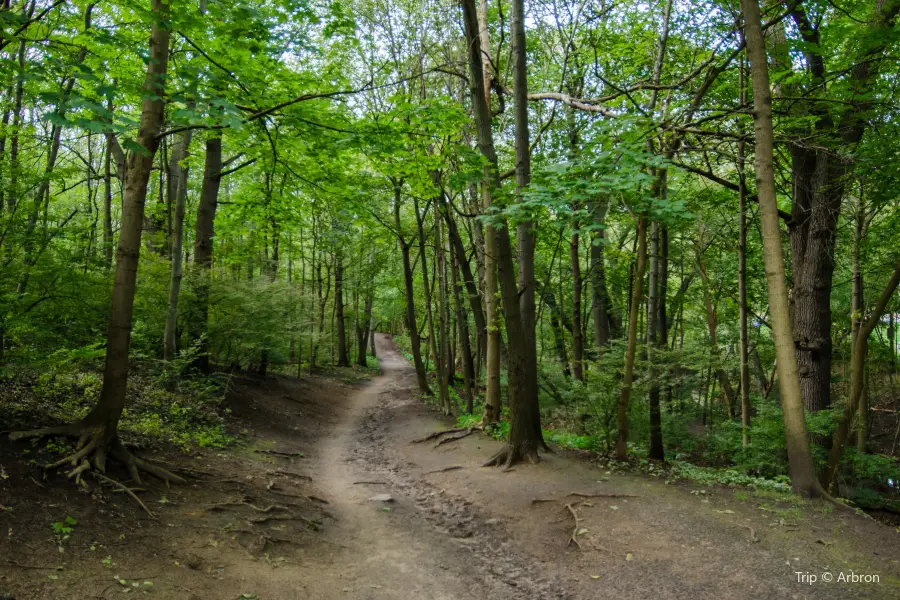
{"x":577,"y":340}
{"x":342,"y":360}
{"x":411,"y":323}
{"x":637,"y":294}
{"x":857,"y":306}
{"x":858,"y":376}
{"x":601,"y":305}
{"x":444,"y":362}
{"x":203,"y":250}
{"x":180,"y":174}
{"x":742,"y":288}
{"x":801,"y":467}
{"x":465,"y":345}
{"x":104,"y":417}
{"x":525,"y":434}
{"x":525,"y":231}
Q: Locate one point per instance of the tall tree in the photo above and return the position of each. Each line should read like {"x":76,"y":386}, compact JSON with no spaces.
{"x":97,"y":433}
{"x":802,"y":469}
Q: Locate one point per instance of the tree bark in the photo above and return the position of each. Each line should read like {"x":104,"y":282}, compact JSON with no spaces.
{"x":462,"y":320}
{"x":742,"y":289}
{"x":801,"y":467}
{"x":104,"y":417}
{"x":577,"y":340}
{"x":601,"y":305}
{"x":342,"y":359}
{"x":637,"y":294}
{"x":858,"y":376}
{"x":444,"y":361}
{"x":203,"y":250}
{"x":525,"y":434}
{"x":525,"y":232}
{"x":411,"y":323}
{"x":180,"y":174}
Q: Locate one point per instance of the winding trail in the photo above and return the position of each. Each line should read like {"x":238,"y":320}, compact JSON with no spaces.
{"x":290,"y":515}
{"x":389,"y":550}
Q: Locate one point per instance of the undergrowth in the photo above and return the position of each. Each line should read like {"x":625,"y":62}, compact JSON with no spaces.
{"x":166,"y":401}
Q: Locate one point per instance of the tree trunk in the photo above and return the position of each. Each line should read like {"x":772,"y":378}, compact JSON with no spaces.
{"x":180,"y":174}
{"x":577,"y":340}
{"x":656,"y":451}
{"x":203,"y":250}
{"x":525,"y":233}
{"x":857,"y":306}
{"x":525,"y":434}
{"x":857,"y":385}
{"x":801,"y":467}
{"x":411,"y":323}
{"x":444,"y":362}
{"x":742,"y":289}
{"x":459,"y":253}
{"x":637,"y":294}
{"x":601,"y":305}
{"x":465,"y":345}
{"x":342,"y":359}
{"x":712,"y":325}
{"x":104,"y":417}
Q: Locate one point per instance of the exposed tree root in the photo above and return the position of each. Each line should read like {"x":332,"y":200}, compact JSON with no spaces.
{"x":453,"y":438}
{"x":280,"y":454}
{"x":444,"y":470}
{"x":289,"y":474}
{"x":753,"y":538}
{"x":510,"y":455}
{"x":438,"y":434}
{"x":580,"y":495}
{"x":124,"y":489}
{"x":94,"y":446}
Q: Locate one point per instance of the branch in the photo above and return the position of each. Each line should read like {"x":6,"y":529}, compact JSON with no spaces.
{"x":238,"y":168}
{"x":784,"y":216}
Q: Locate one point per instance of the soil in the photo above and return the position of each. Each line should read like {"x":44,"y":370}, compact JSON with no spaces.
{"x":330,"y":499}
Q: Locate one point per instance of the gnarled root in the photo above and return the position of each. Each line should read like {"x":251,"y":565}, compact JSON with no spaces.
{"x":95,"y":444}
{"x":512,"y":454}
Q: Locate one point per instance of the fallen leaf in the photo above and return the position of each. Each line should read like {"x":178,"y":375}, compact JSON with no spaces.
{"x":629,"y":556}
{"x":613,"y":508}
{"x":581,"y":531}
{"x":595,"y":577}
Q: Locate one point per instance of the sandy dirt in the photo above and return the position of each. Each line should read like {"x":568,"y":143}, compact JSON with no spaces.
{"x":330,"y":499}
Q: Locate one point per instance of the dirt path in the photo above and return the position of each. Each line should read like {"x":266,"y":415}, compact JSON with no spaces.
{"x":292,"y":516}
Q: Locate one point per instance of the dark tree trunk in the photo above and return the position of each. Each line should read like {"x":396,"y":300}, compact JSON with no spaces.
{"x":411,"y":323}
{"x":342,"y":359}
{"x":577,"y":340}
{"x":203,"y":250}
{"x":525,"y":433}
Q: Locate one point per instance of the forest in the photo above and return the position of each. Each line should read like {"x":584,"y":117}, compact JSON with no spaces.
{"x":657,"y":232}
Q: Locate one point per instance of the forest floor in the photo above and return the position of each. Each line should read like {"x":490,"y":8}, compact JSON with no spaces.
{"x":295,"y":513}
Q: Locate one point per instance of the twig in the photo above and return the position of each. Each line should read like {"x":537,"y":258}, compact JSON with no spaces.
{"x":125,"y":489}
{"x":370,"y":483}
{"x":21,"y":566}
{"x":444,"y":470}
{"x":572,"y":538}
{"x":580,"y":495}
